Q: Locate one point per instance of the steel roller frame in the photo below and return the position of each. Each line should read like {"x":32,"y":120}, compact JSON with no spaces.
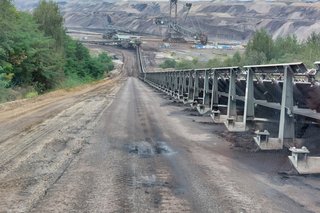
{"x":185,"y":86}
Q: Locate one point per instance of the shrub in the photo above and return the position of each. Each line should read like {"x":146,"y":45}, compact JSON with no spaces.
{"x":31,"y":94}
{"x":168,"y":63}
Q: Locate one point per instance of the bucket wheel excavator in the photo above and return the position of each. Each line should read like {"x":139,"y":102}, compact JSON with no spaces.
{"x":177,"y":32}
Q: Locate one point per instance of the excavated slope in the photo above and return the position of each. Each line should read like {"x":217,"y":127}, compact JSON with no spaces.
{"x":221,"y":20}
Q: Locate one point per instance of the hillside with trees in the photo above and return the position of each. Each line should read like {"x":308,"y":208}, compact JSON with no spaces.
{"x":37,"y":56}
{"x":262,"y":49}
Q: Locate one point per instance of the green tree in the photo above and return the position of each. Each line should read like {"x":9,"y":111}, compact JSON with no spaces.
{"x":237,"y":59}
{"x":214,"y":63}
{"x":8,"y":15}
{"x":36,"y":52}
{"x":261,"y":44}
{"x":186,"y":64}
{"x":168,"y":63}
{"x":311,"y":49}
{"x":285,"y":45}
{"x":50,"y":21}
{"x":26,"y":55}
{"x":80,"y":63}
{"x":106,"y":62}
{"x":33,"y":56}
{"x":256,"y":58}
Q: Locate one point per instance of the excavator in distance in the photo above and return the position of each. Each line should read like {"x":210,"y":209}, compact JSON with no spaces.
{"x":176,"y":32}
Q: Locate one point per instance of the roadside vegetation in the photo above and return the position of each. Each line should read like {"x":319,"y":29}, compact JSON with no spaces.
{"x":37,"y":56}
{"x":262,"y":49}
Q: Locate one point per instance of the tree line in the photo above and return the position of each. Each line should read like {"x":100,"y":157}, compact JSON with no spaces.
{"x":261,"y":49}
{"x":36,"y":53}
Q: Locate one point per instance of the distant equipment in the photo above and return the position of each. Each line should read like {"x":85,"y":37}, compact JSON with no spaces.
{"x":177,"y":32}
{"x":109,"y":34}
{"x":113,"y":30}
{"x":127,"y":39}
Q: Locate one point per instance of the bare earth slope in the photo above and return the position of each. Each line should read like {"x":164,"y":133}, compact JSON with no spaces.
{"x":221,"y":20}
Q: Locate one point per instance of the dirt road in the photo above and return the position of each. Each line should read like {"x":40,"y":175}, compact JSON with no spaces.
{"x":123,"y":147}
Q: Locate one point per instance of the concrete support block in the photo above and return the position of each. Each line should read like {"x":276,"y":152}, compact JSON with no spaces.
{"x":233,"y":125}
{"x":194,"y":104}
{"x":203,"y":109}
{"x":303,"y":163}
{"x":262,"y":137}
{"x":185,"y":98}
{"x":216,"y":115}
{"x":230,"y":122}
{"x":264,"y":141}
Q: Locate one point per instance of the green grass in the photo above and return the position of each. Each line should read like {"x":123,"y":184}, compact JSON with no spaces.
{"x":74,"y":81}
{"x":31,"y":94}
